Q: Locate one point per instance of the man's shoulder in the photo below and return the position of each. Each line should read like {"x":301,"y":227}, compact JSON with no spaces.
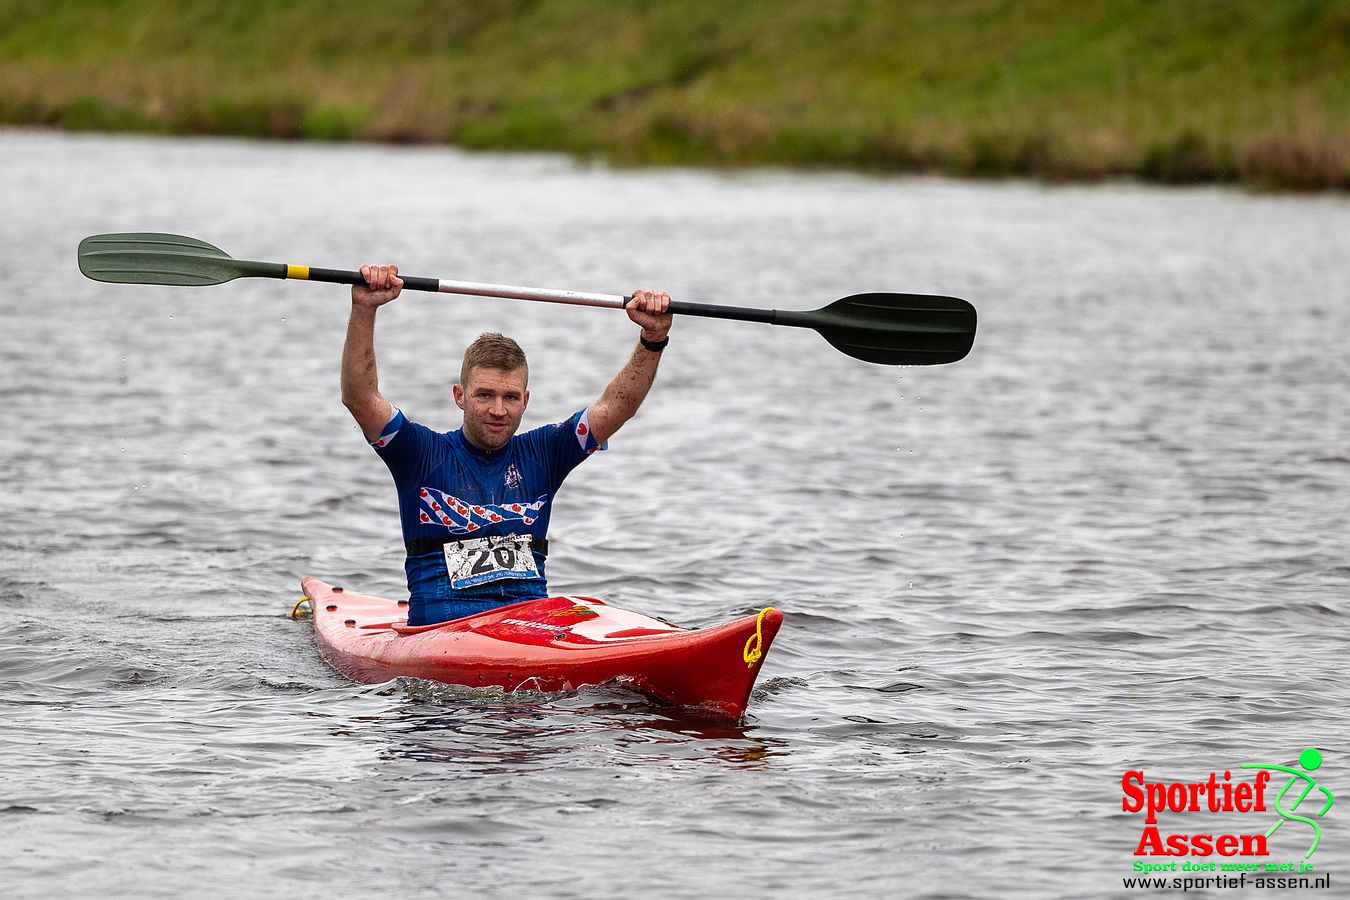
{"x":424,"y":428}
{"x":403,"y":424}
{"x":550,"y":429}
{"x":564,"y":439}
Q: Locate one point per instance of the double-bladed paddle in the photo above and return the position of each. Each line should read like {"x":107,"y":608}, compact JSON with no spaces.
{"x":893,"y":329}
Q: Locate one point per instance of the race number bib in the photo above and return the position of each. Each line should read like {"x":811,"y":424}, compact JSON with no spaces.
{"x":487,"y":559}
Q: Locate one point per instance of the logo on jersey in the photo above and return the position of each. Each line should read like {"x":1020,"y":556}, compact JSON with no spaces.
{"x":459,"y":517}
{"x":390,"y":432}
{"x":512,"y":476}
{"x":583,"y":433}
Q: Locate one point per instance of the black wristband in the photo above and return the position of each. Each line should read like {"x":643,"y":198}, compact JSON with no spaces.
{"x":655,"y":346}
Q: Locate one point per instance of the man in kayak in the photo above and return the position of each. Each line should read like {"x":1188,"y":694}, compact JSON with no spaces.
{"x":475,"y":502}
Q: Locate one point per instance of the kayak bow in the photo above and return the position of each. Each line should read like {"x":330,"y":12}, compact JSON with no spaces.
{"x":551,"y":644}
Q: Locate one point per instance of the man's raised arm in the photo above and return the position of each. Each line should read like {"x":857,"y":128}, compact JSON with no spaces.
{"x":626,"y":392}
{"x":360,"y":378}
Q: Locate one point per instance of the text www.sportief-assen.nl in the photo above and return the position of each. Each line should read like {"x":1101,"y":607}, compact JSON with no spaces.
{"x":1228,"y":881}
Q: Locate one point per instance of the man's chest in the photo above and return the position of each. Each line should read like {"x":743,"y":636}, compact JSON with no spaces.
{"x":510,"y":481}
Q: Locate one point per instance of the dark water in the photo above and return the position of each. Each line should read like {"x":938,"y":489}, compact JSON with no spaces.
{"x":1113,"y":538}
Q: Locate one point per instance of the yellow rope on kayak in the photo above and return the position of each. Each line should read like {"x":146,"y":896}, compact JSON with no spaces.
{"x":752,"y":655}
{"x":295,"y":610}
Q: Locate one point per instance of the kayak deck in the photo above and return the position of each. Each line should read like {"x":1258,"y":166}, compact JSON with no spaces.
{"x":551,"y":644}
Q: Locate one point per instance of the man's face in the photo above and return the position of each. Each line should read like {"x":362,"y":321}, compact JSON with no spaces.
{"x":493,"y":402}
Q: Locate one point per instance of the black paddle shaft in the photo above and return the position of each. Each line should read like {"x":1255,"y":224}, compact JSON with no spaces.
{"x":347,"y":276}
{"x":714,"y":311}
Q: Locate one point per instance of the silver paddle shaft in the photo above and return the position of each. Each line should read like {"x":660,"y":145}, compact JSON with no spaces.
{"x":547,"y":295}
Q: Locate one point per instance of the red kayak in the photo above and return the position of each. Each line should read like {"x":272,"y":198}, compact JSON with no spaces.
{"x":552,"y":644}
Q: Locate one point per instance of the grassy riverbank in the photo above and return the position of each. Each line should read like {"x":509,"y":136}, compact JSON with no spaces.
{"x":1188,"y":90}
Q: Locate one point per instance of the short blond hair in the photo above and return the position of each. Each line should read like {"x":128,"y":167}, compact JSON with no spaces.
{"x":491,"y":350}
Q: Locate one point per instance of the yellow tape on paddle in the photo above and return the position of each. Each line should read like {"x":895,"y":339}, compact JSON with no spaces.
{"x":753,"y":654}
{"x":301,"y":272}
{"x":295,"y":610}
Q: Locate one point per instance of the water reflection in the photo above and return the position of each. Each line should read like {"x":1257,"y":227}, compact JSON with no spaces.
{"x":505,"y":733}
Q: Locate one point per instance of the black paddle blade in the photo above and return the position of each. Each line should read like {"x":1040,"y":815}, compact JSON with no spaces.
{"x":147,"y":258}
{"x":898,"y":329}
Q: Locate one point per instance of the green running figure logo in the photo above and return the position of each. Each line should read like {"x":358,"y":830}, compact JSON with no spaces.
{"x":1309,"y":759}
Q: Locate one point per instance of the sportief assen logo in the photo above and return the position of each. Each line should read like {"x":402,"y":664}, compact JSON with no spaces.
{"x":1227,"y":794}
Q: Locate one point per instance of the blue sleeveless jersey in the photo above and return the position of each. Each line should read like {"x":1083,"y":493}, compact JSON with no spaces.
{"x":448,"y":489}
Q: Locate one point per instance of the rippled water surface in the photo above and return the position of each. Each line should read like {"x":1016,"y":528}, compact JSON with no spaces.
{"x":1114,"y":537}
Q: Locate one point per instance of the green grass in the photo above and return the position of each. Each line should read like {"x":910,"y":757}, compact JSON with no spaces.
{"x":1174,"y":90}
